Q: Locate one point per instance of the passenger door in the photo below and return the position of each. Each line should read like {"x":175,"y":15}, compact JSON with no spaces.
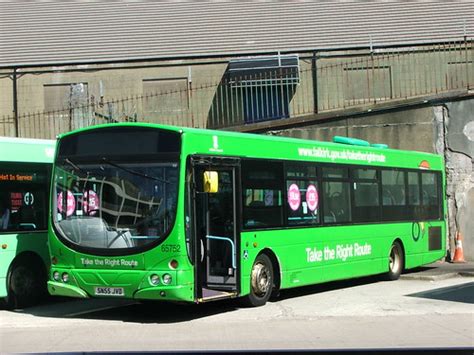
{"x":216,"y":228}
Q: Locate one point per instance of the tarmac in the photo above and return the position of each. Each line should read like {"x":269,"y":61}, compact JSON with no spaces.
{"x":440,"y":270}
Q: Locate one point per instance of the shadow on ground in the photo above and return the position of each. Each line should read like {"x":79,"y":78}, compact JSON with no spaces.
{"x":131,"y":311}
{"x":459,"y":293}
{"x":325,"y":287}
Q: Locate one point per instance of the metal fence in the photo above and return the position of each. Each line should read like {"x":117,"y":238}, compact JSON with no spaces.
{"x":321,"y":83}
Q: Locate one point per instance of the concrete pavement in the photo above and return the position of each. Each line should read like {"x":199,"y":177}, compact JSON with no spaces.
{"x":364,"y":313}
{"x":440,"y":270}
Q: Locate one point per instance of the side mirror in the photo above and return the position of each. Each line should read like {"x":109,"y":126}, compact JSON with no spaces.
{"x":211,"y":181}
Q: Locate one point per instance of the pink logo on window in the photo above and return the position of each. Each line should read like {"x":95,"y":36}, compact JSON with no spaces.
{"x":294,"y":197}
{"x":70,"y":203}
{"x":312,"y":197}
{"x":90,"y":202}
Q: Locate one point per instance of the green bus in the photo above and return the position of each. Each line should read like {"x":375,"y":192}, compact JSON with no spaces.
{"x":25,"y":179}
{"x":155,"y":212}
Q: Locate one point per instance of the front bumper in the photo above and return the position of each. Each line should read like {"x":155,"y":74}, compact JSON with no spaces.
{"x":173,"y":293}
{"x":62,"y":289}
{"x":82,"y":284}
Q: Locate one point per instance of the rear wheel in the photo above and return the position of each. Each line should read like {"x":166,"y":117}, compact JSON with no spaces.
{"x":261,"y":282}
{"x":396,"y":262}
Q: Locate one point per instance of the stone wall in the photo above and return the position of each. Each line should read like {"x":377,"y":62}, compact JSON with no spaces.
{"x":456,"y":138}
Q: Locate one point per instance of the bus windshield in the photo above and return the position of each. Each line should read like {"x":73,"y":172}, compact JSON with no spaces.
{"x":114,"y":200}
{"x":109,"y":205}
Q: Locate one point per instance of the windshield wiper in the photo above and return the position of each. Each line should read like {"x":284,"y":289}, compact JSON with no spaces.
{"x":136,"y":173}
{"x":68,"y":161}
{"x":72,"y":164}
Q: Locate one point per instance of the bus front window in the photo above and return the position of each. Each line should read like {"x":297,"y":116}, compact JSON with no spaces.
{"x":107,"y":204}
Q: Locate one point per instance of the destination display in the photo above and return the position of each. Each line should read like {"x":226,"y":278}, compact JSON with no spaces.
{"x":17,"y":177}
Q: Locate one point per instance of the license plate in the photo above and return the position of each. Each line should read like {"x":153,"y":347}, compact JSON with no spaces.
{"x":109,"y":291}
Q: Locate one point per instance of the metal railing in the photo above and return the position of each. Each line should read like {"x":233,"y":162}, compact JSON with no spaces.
{"x":322,"y":83}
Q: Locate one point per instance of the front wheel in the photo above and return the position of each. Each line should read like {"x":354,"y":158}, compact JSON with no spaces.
{"x":396,"y":262}
{"x":261,"y":282}
{"x":26,"y":286}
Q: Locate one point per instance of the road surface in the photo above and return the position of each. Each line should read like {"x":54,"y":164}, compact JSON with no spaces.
{"x":365,"y":313}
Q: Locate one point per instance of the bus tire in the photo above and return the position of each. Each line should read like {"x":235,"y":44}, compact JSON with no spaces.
{"x":26,"y":285}
{"x":261,"y":282}
{"x":396,"y":261}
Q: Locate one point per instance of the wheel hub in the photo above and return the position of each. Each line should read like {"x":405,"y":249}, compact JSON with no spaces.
{"x":22,"y":281}
{"x":260,"y":279}
{"x":394,"y":259}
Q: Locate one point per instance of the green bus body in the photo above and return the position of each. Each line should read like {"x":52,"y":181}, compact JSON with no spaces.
{"x":278,"y":197}
{"x":25,"y":168}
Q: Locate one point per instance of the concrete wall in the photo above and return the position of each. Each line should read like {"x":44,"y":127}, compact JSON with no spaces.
{"x":445,"y":129}
{"x":179,"y":96}
{"x":410,"y":129}
{"x":196,"y":93}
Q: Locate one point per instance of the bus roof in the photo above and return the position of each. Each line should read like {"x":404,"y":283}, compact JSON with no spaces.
{"x":226,"y":143}
{"x":27,"y":150}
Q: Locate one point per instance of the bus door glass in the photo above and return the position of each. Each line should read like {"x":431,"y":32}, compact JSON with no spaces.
{"x":216,"y":226}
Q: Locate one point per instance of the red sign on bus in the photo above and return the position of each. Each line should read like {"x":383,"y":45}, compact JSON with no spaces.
{"x":312,"y":198}
{"x":70,"y":203}
{"x":294,"y":197}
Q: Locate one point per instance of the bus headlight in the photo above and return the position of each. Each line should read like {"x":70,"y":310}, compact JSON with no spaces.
{"x":65,"y":277}
{"x":154,"y":279}
{"x":56,"y":276}
{"x":166,"y":279}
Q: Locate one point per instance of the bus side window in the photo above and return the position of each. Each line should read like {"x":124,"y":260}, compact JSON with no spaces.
{"x":413,"y":189}
{"x":302,"y":208}
{"x":365,"y":188}
{"x":393,"y":195}
{"x":262,"y":183}
{"x":430,"y":196}
{"x":429,"y":189}
{"x":336,"y":195}
{"x":336,"y":200}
